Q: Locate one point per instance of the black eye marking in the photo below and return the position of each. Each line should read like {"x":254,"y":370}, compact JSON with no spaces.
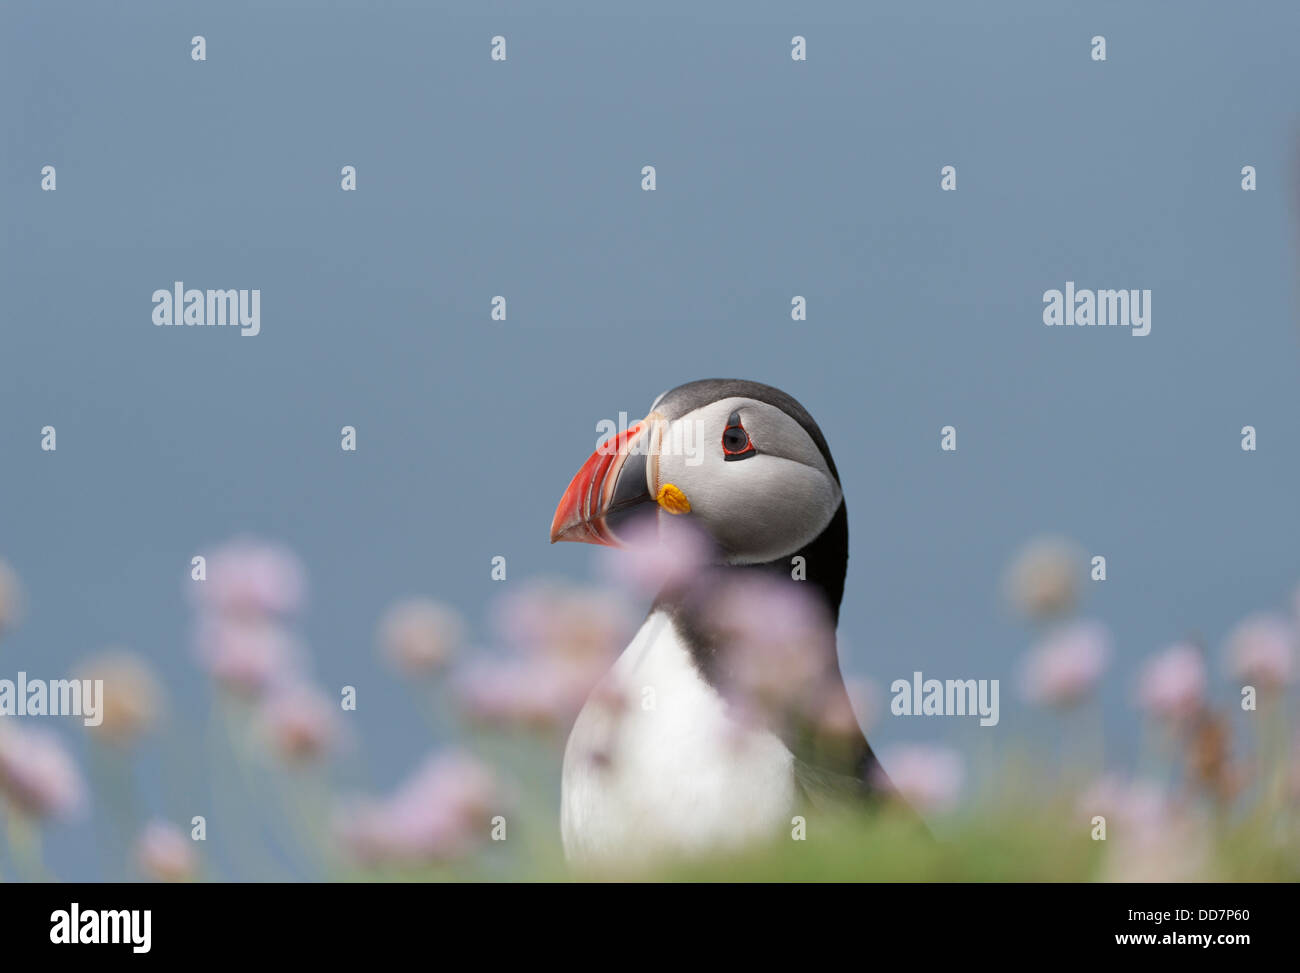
{"x":736,"y":443}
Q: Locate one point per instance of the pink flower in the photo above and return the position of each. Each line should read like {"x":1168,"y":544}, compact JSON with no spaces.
{"x":1261,"y":651}
{"x":852,"y":711}
{"x":1292,"y":773}
{"x":250,"y":578}
{"x":1043,"y":578}
{"x":658,"y":553}
{"x":37,"y":775}
{"x":775,"y":643}
{"x":419,"y":636}
{"x":11,"y":598}
{"x":927,"y":777}
{"x":1172,"y":683}
{"x":132,"y":697}
{"x":541,"y":693}
{"x":1141,"y":806}
{"x":300,"y":722}
{"x":560,"y":621}
{"x":1149,"y":838}
{"x":568,"y":637}
{"x":441,"y":812}
{"x":248,"y":656}
{"x":1067,"y":664}
{"x":757,"y":609}
{"x":164,"y":853}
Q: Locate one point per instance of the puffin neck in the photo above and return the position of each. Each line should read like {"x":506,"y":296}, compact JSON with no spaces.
{"x":825,"y":565}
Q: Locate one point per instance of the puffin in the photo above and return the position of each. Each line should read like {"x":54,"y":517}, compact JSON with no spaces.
{"x":744,"y":465}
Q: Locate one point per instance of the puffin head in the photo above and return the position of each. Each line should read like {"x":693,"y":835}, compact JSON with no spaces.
{"x":744,"y":462}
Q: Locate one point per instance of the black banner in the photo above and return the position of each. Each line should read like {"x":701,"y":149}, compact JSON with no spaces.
{"x":335,"y":922}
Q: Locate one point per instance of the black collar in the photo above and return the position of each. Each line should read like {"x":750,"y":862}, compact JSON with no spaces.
{"x":823,"y":568}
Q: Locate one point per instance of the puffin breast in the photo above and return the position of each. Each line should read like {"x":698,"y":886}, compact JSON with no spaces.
{"x":655,"y":765}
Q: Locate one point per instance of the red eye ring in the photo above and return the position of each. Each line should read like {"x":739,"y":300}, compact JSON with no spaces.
{"x":736,"y":443}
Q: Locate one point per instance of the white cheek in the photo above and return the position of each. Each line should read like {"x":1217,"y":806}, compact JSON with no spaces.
{"x":758,"y":509}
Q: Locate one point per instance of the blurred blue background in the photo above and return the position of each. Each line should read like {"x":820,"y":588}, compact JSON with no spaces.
{"x":522,"y":178}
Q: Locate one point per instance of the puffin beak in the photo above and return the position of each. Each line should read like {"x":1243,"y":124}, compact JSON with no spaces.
{"x":611,"y":486}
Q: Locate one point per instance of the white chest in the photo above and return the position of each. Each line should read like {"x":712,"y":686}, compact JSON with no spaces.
{"x":655,"y":765}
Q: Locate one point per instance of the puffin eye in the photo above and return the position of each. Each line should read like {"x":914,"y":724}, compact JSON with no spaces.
{"x":735,"y":441}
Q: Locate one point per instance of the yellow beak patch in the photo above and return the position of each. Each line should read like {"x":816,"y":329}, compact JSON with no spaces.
{"x":673,"y":500}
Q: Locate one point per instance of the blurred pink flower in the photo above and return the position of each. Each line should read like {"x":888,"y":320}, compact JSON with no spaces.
{"x":1292,"y":773}
{"x":1261,"y":651}
{"x":132,"y":695}
{"x":857,"y":708}
{"x":11,"y":598}
{"x":300,"y":722}
{"x":1173,"y":682}
{"x":441,"y":812}
{"x":164,"y":853}
{"x":37,"y":775}
{"x":1141,"y":805}
{"x":246,"y":577}
{"x":568,"y":637}
{"x":420,"y":635}
{"x":927,"y":777}
{"x":764,"y":609}
{"x":658,"y":553}
{"x":248,"y":656}
{"x":562,"y":621}
{"x":1149,"y":837}
{"x":1043,"y":578}
{"x":534,"y":692}
{"x":775,"y":643}
{"x":1067,"y":664}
